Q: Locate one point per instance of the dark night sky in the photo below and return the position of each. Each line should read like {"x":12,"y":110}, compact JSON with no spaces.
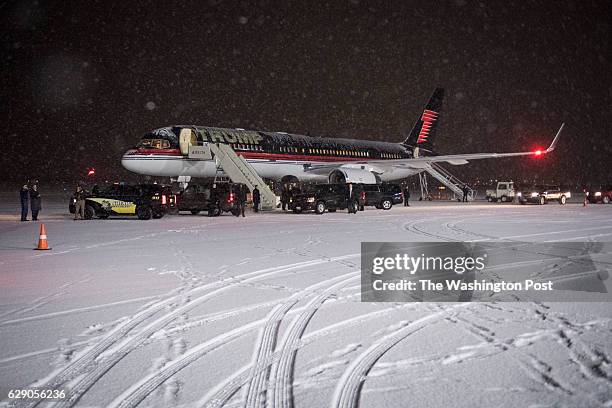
{"x":82,"y":81}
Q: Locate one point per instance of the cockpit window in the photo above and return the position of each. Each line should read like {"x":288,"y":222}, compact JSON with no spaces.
{"x":154,"y":144}
{"x":162,"y":138}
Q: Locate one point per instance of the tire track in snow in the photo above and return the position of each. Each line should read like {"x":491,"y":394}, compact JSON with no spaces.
{"x":140,"y":390}
{"x":348,"y":389}
{"x":221,"y":393}
{"x":256,"y":390}
{"x":41,"y":301}
{"x":87,"y":357}
{"x":281,"y":390}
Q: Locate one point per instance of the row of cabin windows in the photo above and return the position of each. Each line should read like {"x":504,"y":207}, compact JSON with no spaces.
{"x":390,"y":156}
{"x":164,"y":144}
{"x":316,"y":151}
{"x":322,"y":152}
{"x":249,"y":147}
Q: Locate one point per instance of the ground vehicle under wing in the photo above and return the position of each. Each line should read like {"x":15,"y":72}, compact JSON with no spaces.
{"x":215,"y":198}
{"x":330,"y":197}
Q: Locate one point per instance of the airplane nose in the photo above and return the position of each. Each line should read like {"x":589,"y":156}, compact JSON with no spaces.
{"x":127,"y":160}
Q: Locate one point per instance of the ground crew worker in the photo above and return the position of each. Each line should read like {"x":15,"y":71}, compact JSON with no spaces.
{"x":406,"y":196}
{"x":284,"y":198}
{"x":35,"y":202}
{"x":256,"y":199}
{"x":465,"y":190}
{"x":79,"y":203}
{"x":350,"y":201}
{"x":24,"y":196}
{"x":242,"y":199}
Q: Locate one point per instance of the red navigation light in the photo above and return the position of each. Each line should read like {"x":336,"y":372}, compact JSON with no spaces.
{"x":91,"y":172}
{"x":231,"y":198}
{"x":538,"y":152}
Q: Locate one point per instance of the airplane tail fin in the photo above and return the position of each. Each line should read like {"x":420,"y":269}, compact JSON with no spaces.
{"x":424,"y":130}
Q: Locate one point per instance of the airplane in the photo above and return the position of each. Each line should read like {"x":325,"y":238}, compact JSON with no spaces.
{"x":288,"y":157}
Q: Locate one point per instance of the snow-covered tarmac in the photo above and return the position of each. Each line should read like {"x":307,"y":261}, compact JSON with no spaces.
{"x":197,"y":311}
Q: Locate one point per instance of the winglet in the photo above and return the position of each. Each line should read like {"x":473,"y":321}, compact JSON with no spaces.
{"x":555,"y":140}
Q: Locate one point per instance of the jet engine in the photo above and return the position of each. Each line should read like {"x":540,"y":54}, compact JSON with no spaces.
{"x":351,"y":175}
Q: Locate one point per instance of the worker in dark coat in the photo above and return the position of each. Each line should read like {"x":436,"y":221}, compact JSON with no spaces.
{"x":79,"y":209}
{"x":465,"y":191}
{"x":256,"y":199}
{"x":242,"y":199}
{"x":24,"y":194}
{"x":35,"y":202}
{"x":406,"y":196}
{"x":351,"y":205}
{"x":284,"y":198}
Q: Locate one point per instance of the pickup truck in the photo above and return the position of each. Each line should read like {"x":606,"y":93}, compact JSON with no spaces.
{"x":504,"y":192}
{"x":543,"y":194}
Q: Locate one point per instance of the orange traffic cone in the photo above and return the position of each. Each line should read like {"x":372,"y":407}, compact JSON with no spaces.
{"x":42,"y":240}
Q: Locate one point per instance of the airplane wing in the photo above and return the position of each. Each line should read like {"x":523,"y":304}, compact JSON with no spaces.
{"x":422,"y":162}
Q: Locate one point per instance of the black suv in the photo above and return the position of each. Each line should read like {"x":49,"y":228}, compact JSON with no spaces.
{"x":382,"y":195}
{"x":330,"y":197}
{"x":213,"y":198}
{"x":146,"y":201}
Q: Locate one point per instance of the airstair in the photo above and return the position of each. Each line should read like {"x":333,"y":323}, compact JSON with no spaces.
{"x":240,"y":171}
{"x":445,"y":177}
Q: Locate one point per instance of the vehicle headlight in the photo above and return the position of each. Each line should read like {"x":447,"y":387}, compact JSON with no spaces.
{"x":534,"y":194}
{"x":519,"y":194}
{"x":310,"y":199}
{"x":598,"y":194}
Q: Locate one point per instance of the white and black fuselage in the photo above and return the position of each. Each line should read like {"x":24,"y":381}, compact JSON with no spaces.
{"x":273,"y":155}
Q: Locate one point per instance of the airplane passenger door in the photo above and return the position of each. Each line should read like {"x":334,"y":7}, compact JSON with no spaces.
{"x":186,"y":138}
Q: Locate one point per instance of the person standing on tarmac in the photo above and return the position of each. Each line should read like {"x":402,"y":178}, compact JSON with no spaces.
{"x":350,"y":200}
{"x":24,"y":196}
{"x":79,"y":201}
{"x":242,"y":199}
{"x":465,"y":190}
{"x":256,"y":199}
{"x":284,"y":198}
{"x":35,"y":201}
{"x":406,"y":196}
